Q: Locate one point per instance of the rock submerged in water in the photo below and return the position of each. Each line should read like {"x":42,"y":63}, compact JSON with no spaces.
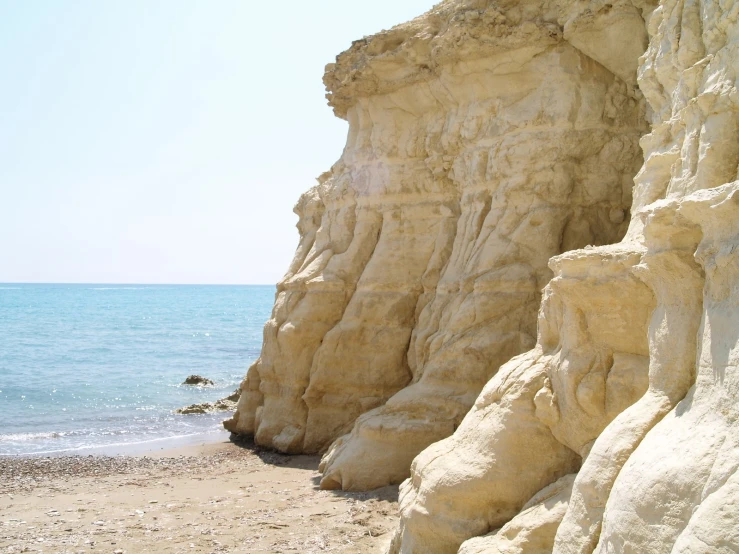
{"x":197,"y":380}
{"x":227,"y":404}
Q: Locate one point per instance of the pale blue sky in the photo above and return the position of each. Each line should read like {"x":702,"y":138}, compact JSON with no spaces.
{"x":166,"y":141}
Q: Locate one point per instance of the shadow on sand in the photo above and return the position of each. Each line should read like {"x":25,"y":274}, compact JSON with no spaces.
{"x":310,"y":463}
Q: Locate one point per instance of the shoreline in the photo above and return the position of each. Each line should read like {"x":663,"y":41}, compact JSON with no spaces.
{"x":213,"y":433}
{"x":137,"y":448}
{"x":212,"y":497}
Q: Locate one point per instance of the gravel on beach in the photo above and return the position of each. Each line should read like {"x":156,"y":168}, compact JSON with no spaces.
{"x":208,"y":499}
{"x":25,"y":473}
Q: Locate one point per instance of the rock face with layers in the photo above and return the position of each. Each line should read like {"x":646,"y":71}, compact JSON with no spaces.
{"x":659,"y":474}
{"x":541,"y":413}
{"x":481,"y":143}
{"x":690,"y":458}
{"x":491,"y":149}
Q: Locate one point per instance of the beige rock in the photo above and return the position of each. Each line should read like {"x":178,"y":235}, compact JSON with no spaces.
{"x":693,"y":146}
{"x":669,"y":253}
{"x":590,"y":364}
{"x":480,"y":477}
{"x":688,"y":462}
{"x":662,"y":476}
{"x":532,"y":530}
{"x":480,"y":145}
{"x":491,"y":149}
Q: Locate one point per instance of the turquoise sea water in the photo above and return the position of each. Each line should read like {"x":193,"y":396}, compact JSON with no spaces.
{"x":90,"y":366}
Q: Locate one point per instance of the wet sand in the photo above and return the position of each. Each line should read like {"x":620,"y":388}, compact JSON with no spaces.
{"x":220,"y":497}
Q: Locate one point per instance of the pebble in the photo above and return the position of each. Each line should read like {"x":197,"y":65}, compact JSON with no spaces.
{"x":23,"y":474}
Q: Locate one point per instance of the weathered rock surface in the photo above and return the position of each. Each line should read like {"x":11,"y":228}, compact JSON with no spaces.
{"x":481,"y":143}
{"x":490,"y":155}
{"x":689,"y":460}
{"x":660,"y":474}
{"x":532,"y":530}
{"x":197,"y":380}
{"x":227,"y":404}
{"x":541,"y":413}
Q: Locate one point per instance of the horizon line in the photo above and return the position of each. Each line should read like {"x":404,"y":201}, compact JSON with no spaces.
{"x":138,"y":284}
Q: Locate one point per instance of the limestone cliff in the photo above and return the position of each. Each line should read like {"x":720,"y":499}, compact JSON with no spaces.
{"x":660,"y":476}
{"x":492,"y":152}
{"x":481,"y":143}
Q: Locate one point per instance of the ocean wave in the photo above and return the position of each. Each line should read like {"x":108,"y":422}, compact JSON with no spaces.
{"x":24,"y":437}
{"x":109,"y":448}
{"x":52,"y":435}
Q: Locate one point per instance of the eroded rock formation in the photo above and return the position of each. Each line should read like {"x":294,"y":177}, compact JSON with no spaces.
{"x":661,"y":476}
{"x":481,"y":143}
{"x":531,"y":531}
{"x":491,"y":152}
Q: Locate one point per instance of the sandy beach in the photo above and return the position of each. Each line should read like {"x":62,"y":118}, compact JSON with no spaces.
{"x":221,"y":497}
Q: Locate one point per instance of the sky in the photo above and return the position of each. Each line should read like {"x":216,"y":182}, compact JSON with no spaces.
{"x":166,"y":141}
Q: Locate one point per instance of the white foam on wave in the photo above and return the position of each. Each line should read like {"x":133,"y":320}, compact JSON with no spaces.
{"x":24,"y":437}
{"x":52,"y":435}
{"x":132,"y":446}
{"x":170,"y":431}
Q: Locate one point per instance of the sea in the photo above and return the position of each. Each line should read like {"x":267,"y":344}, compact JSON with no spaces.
{"x":99,"y":369}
